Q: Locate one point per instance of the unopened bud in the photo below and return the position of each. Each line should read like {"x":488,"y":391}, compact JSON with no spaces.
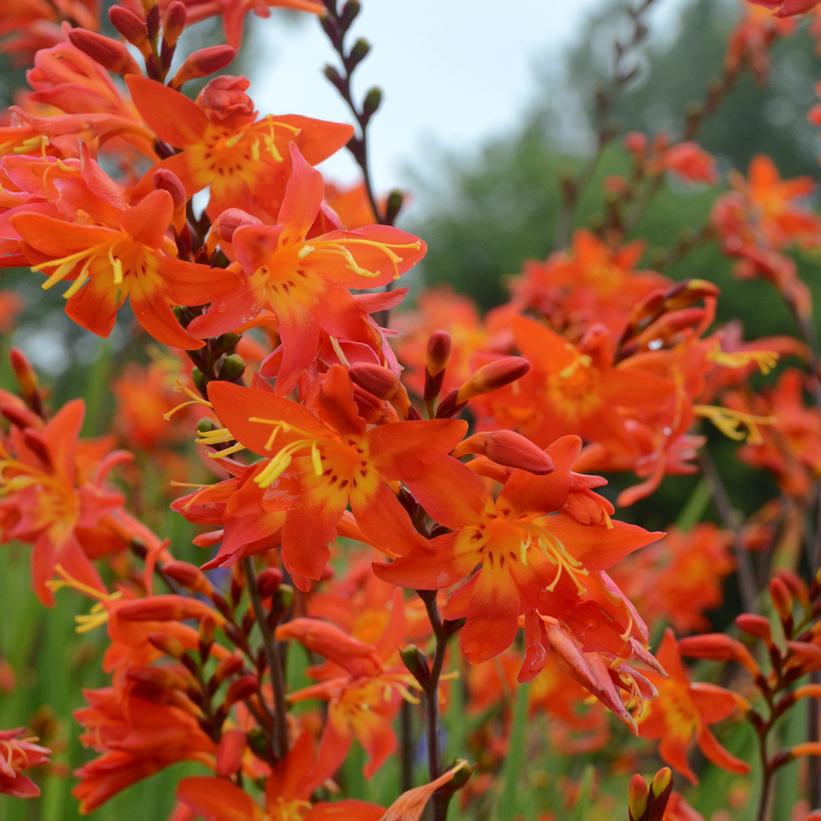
{"x":506,"y":447}
{"x":174,"y":22}
{"x":493,"y":376}
{"x":227,"y":667}
{"x":26,"y":379}
{"x":188,"y":575}
{"x":718,"y":647}
{"x":439,"y":347}
{"x":225,"y":343}
{"x":163,"y":608}
{"x":232,"y":367}
{"x":358,"y":53}
{"x":396,"y":199}
{"x":637,"y":797}
{"x":373,"y":99}
{"x":375,"y":379}
{"x":662,"y":781}
{"x":109,"y":53}
{"x":168,"y":645}
{"x":229,"y":753}
{"x":755,"y":625}
{"x":131,"y":26}
{"x":268,"y":581}
{"x":349,"y":13}
{"x":782,"y":599}
{"x":416,"y":662}
{"x":202,"y":62}
{"x":165,"y":180}
{"x":241,"y":689}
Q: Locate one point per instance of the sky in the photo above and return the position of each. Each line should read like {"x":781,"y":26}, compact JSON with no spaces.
{"x":453,"y":72}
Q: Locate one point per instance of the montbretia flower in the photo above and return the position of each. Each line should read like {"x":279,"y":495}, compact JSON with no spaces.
{"x":53,"y":495}
{"x":336,"y":459}
{"x":363,"y":685}
{"x":682,"y":713}
{"x":303,"y":277}
{"x":574,"y":389}
{"x":242,"y":161}
{"x":124,"y":254}
{"x":17,"y":754}
{"x":520,"y":544}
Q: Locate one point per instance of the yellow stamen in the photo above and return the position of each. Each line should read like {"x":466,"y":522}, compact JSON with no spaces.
{"x":340,"y":248}
{"x":98,"y":615}
{"x":764,"y":360}
{"x":194,"y":399}
{"x":735,"y":425}
{"x":279,"y":464}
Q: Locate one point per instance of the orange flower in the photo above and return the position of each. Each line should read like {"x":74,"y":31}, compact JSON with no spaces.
{"x":124,"y":253}
{"x":790,"y":447}
{"x":523,"y":548}
{"x":18,"y":753}
{"x":363,"y":684}
{"x":242,"y":161}
{"x":682,"y":713}
{"x":591,"y":282}
{"x":573,"y":389}
{"x":335,"y":460}
{"x":52,"y":494}
{"x":302,"y":277}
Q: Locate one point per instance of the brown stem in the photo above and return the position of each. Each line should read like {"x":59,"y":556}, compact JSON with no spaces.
{"x":572,"y":188}
{"x":442,"y":632}
{"x":273,"y":659}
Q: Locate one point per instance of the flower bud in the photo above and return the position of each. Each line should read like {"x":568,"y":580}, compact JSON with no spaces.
{"x":202,"y":62}
{"x":174,"y":22}
{"x":782,"y":599}
{"x":163,"y":608}
{"x":755,"y":625}
{"x":165,"y":180}
{"x":130,"y":25}
{"x":381,"y":382}
{"x":228,"y":667}
{"x":662,"y":781}
{"x":232,"y":367}
{"x":229,"y":752}
{"x":26,"y":379}
{"x":396,"y":199}
{"x":371,"y":103}
{"x":109,"y":53}
{"x":269,"y":581}
{"x":506,"y":447}
{"x":226,"y":96}
{"x":439,"y":347}
{"x":718,"y":647}
{"x":241,"y":689}
{"x":493,"y":376}
{"x":168,"y":645}
{"x":417,"y":663}
{"x":637,"y":798}
{"x":188,"y":575}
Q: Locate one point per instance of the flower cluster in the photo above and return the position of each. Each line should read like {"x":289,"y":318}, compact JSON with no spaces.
{"x":394,"y":517}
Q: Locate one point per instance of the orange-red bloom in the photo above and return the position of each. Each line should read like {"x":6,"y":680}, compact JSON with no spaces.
{"x":19,"y":753}
{"x":302,"y":276}
{"x":682,"y":713}
{"x":336,"y":460}
{"x":122,"y":252}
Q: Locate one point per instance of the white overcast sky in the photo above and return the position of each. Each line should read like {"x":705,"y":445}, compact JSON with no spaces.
{"x":452,"y":71}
